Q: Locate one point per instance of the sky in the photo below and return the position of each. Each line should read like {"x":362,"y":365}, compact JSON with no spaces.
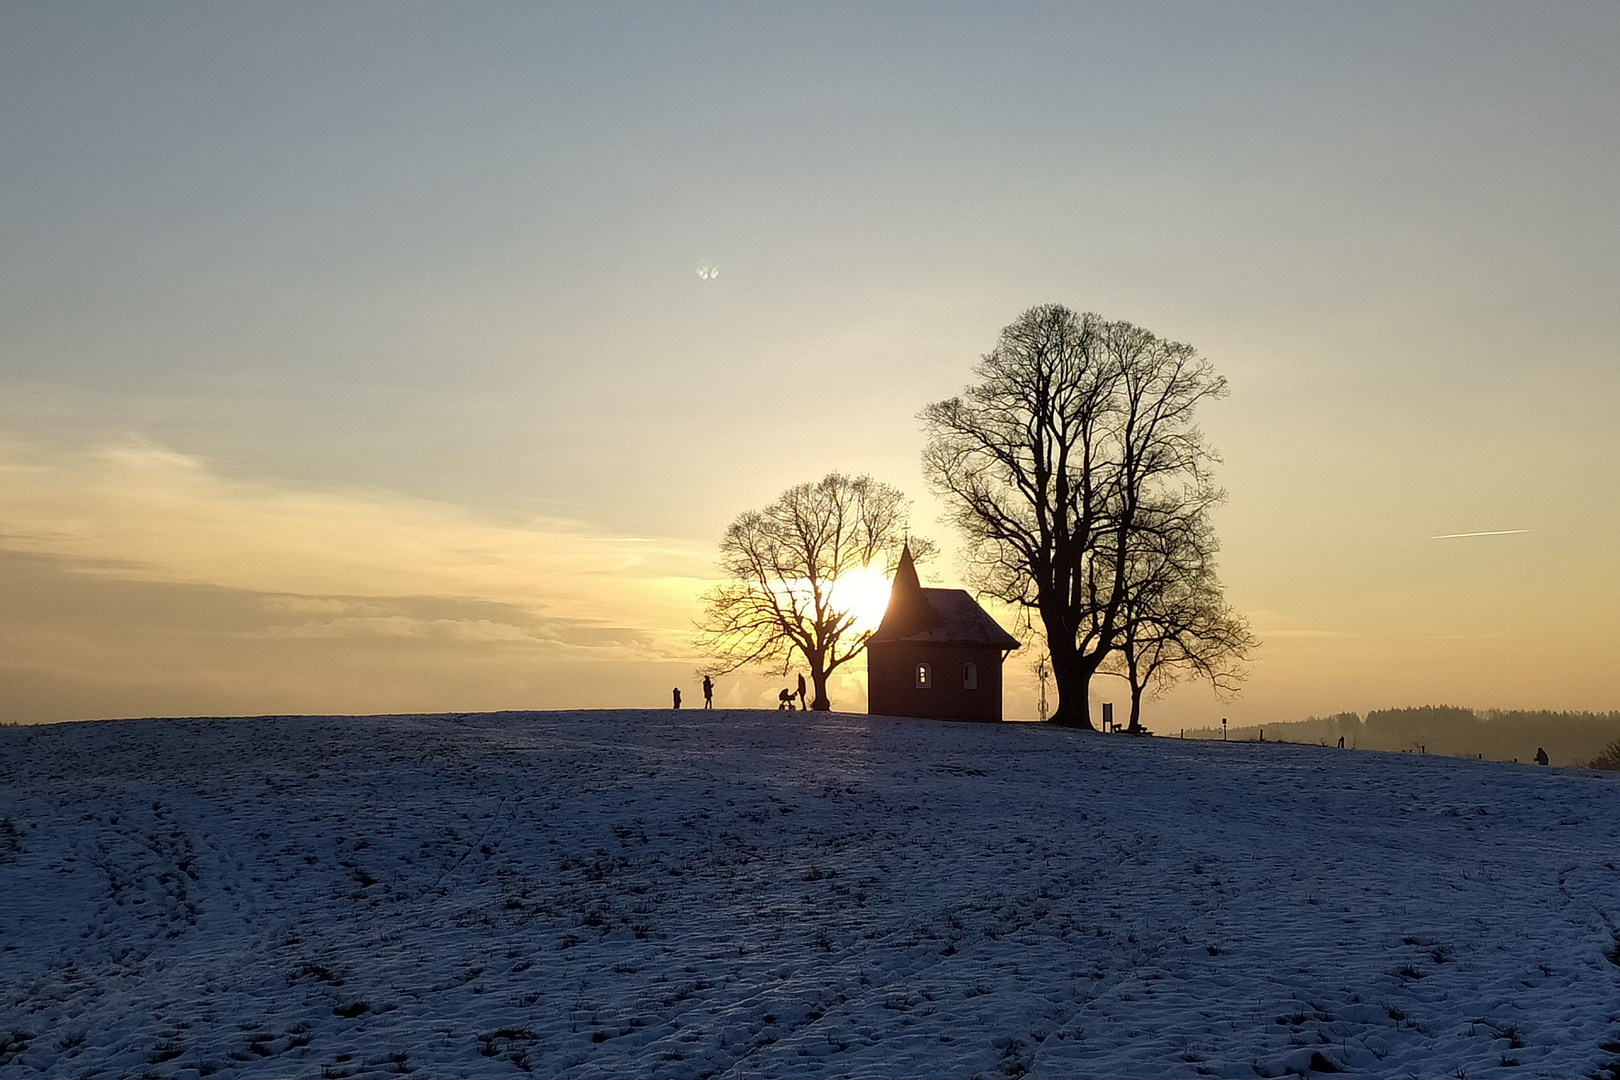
{"x":354,"y":358}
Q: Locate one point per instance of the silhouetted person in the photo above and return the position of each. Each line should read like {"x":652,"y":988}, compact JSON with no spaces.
{"x":802,"y":705}
{"x":708,"y":692}
{"x":677,"y":697}
{"x":1341,"y":742}
{"x":1541,"y":756}
{"x":784,"y":700}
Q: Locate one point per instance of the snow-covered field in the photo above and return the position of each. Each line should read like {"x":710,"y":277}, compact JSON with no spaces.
{"x":744,"y":893}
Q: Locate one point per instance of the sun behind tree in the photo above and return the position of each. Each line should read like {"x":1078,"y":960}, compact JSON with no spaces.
{"x":806,"y":577}
{"x":864,"y":593}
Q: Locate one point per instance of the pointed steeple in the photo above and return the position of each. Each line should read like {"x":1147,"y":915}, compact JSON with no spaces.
{"x":905,"y":575}
{"x":908,"y":608}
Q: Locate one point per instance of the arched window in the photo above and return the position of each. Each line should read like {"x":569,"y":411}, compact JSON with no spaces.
{"x":925,"y":677}
{"x":970,"y":676}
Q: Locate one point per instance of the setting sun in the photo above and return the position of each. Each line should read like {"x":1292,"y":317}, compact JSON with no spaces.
{"x":864,"y":593}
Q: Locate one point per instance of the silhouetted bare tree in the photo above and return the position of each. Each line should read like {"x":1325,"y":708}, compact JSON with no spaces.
{"x":1175,"y":618}
{"x":782,"y":566}
{"x":1052,"y":463}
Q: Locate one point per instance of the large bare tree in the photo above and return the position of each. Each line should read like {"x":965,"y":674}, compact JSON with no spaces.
{"x":1175,"y":618}
{"x":782,"y":565}
{"x":1077,"y":435}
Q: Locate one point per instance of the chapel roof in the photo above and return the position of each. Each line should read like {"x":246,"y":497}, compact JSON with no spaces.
{"x":935,"y":616}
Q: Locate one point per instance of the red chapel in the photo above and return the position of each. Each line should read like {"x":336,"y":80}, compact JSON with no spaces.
{"x":936,"y":654}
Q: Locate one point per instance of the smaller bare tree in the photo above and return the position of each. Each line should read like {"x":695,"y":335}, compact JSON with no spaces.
{"x":1175,"y":618}
{"x":782,"y":565}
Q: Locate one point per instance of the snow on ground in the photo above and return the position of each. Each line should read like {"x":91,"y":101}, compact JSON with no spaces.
{"x":744,"y":893}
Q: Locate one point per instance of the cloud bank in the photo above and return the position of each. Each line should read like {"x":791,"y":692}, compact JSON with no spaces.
{"x":141,"y":512}
{"x":155,"y":571}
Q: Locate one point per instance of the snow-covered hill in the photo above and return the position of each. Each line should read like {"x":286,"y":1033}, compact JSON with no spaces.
{"x":744,"y":893}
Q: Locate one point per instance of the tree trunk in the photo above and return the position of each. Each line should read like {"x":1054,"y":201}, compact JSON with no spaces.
{"x":818,"y":679}
{"x":1136,"y":710}
{"x":1073,"y":678}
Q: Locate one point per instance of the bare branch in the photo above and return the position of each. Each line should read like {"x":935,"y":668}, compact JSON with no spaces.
{"x":1075,"y":448}
{"x":783,"y":564}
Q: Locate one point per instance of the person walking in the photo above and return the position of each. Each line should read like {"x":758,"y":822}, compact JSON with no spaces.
{"x":677,"y":697}
{"x":802,"y":705}
{"x":708,"y":692}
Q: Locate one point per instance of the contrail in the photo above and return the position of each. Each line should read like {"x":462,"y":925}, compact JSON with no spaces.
{"x":1496,"y":532}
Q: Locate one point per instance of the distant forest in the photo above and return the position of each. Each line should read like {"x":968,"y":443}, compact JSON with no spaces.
{"x":1570,"y":738}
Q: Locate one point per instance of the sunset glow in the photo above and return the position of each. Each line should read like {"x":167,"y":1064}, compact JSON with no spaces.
{"x":361,"y":358}
{"x":865,"y":594}
{"x":445,"y":621}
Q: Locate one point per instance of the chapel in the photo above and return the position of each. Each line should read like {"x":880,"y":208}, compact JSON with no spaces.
{"x":936,"y":654}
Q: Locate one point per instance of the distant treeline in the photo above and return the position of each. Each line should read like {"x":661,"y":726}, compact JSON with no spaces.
{"x":1570,"y":738}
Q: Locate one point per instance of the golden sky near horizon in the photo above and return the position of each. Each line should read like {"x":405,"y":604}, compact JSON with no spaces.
{"x":386,"y":358}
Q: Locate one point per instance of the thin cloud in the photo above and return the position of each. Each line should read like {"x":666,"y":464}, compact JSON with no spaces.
{"x":140,"y":512}
{"x":1492,"y":532}
{"x":1280,"y":624}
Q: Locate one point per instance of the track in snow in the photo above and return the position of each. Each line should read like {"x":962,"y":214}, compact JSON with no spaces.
{"x":744,"y":893}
